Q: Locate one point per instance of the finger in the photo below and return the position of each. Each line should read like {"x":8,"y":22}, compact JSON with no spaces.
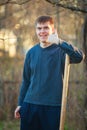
{"x":17,"y":115}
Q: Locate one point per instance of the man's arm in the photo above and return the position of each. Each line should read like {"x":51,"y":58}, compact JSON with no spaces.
{"x":24,"y":86}
{"x":25,"y":80}
{"x":76,"y":55}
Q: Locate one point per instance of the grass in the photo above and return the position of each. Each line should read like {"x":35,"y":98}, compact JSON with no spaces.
{"x":15,"y":125}
{"x":67,"y":127}
{"x":9,"y":125}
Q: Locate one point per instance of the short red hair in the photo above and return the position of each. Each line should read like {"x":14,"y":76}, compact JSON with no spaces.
{"x":44,"y":19}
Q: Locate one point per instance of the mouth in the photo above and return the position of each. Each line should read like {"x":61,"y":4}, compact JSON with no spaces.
{"x":43,"y":36}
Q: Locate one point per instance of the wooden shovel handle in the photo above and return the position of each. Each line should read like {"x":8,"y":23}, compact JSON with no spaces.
{"x":64,"y":92}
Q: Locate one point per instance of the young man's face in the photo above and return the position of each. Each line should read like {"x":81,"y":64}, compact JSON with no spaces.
{"x":43,"y":30}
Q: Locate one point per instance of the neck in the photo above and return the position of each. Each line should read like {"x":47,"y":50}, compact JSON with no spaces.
{"x":44,"y":44}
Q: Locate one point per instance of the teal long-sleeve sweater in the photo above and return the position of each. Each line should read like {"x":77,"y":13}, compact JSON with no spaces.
{"x":42,"y":81}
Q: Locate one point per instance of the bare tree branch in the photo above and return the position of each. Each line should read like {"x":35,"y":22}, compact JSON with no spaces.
{"x":14,"y":2}
{"x":4,"y":2}
{"x":73,"y":8}
{"x":20,"y":2}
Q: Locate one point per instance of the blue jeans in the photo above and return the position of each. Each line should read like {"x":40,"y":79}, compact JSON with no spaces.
{"x":39,"y":117}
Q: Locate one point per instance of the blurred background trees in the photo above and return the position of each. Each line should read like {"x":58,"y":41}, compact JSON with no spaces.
{"x":17,"y":35}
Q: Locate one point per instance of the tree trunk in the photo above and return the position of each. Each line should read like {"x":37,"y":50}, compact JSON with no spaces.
{"x":85,"y":42}
{"x":85,"y":65}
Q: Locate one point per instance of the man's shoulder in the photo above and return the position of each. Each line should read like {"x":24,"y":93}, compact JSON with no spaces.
{"x":33,"y":49}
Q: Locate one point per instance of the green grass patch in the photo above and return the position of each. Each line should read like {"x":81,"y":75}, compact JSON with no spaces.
{"x":9,"y":125}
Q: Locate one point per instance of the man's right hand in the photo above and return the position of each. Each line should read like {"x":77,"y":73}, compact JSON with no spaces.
{"x":53,"y":38}
{"x":16,"y":112}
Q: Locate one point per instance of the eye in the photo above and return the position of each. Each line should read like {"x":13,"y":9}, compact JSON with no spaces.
{"x":39,"y":28}
{"x":46,"y":27}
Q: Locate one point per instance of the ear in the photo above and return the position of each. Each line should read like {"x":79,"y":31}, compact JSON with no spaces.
{"x":53,"y":30}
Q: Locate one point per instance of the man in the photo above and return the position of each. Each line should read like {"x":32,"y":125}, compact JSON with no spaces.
{"x":39,"y":103}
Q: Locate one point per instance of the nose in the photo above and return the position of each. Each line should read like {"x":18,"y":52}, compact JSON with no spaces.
{"x":42,"y":30}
